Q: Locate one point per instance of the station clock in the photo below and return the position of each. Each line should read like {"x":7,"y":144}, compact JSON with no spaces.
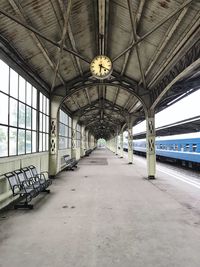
{"x":101,"y":67}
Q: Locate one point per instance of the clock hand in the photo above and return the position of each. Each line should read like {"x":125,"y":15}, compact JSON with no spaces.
{"x":100,"y":66}
{"x":104,"y":67}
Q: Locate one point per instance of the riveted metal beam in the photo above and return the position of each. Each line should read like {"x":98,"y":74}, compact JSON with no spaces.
{"x":163,"y":21}
{"x":30,"y":28}
{"x":186,"y":65}
{"x":169,"y":59}
{"x":19,"y":11}
{"x":135,"y":40}
{"x":107,"y":104}
{"x":167,"y":37}
{"x":62,"y":41}
{"x":70,"y":35}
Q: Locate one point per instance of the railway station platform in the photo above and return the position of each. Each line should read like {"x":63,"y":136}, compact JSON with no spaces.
{"x":103,"y":214}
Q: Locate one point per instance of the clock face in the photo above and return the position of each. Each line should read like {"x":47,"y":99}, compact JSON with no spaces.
{"x":101,"y":67}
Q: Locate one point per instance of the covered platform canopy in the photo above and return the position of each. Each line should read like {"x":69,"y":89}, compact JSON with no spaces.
{"x":154,"y":48}
{"x":191,"y":125}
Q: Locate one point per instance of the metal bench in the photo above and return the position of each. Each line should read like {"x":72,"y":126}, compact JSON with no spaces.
{"x":88,"y":152}
{"x":42,"y":176}
{"x":26,"y":186}
{"x":25,"y":192}
{"x":37,"y":180}
{"x":71,"y":163}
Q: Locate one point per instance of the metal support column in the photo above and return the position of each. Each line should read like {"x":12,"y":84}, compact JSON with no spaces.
{"x":83,"y":148}
{"x":151,"y":155}
{"x":86,"y":140}
{"x":54,"y":137}
{"x":74,"y":124}
{"x":130,"y":144}
{"x":116,"y":144}
{"x":121,"y":146}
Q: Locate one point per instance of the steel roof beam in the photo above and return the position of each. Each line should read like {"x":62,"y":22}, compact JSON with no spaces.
{"x":139,"y":12}
{"x":18,"y":9}
{"x":71,"y":36}
{"x":75,"y":102}
{"x":106,"y":102}
{"x":163,"y":21}
{"x":166,"y":39}
{"x":12,"y":57}
{"x":130,"y":7}
{"x":87,"y":95}
{"x":30,"y":28}
{"x":176,"y":50}
{"x":62,"y":41}
{"x":181,"y":75}
{"x":137,"y":21}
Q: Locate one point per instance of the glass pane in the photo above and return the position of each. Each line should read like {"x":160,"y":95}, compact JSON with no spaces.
{"x":44,"y":104}
{"x":28,"y":117}
{"x":61,"y":142}
{"x":21,"y":141}
{"x":22,"y":89}
{"x":33,"y":141}
{"x":41,"y":122}
{"x":67,"y":120}
{"x":4,"y":76}
{"x":44,"y":123}
{"x":21,"y":115}
{"x":47,"y":142}
{"x":44,"y":142}
{"x":13,"y":112}
{"x":3,"y":108}
{"x":13,"y":141}
{"x":70,"y":122}
{"x":28,"y":93}
{"x":47,"y":106}
{"x":33,"y":119}
{"x":41,"y":101}
{"x":3,"y":141}
{"x":70,"y":132}
{"x":40,"y":142}
{"x":61,"y":129}
{"x":66,"y":131}
{"x":13,"y":83}
{"x":28,"y":141}
{"x":69,"y":143}
{"x":34,"y":97}
{"x":47,"y":124}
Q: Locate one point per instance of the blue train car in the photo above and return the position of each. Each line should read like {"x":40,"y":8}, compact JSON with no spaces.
{"x":186,"y":151}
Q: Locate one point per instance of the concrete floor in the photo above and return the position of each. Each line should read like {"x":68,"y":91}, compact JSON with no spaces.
{"x":104,"y":214}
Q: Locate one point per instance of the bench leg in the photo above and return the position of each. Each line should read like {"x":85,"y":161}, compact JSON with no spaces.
{"x":24,"y":205}
{"x":46,"y":190}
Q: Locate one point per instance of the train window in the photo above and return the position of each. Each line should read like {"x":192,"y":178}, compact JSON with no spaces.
{"x":194,"y":147}
{"x":182,"y":148}
{"x":176,"y":147}
{"x":160,"y":146}
{"x":187,"y":147}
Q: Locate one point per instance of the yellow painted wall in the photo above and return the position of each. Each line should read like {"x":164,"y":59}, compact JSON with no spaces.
{"x":60,"y":163}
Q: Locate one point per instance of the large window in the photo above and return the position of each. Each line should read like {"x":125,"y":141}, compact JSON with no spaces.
{"x":65,"y":124}
{"x":18,"y":115}
{"x":78,"y":135}
{"x":44,"y":123}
